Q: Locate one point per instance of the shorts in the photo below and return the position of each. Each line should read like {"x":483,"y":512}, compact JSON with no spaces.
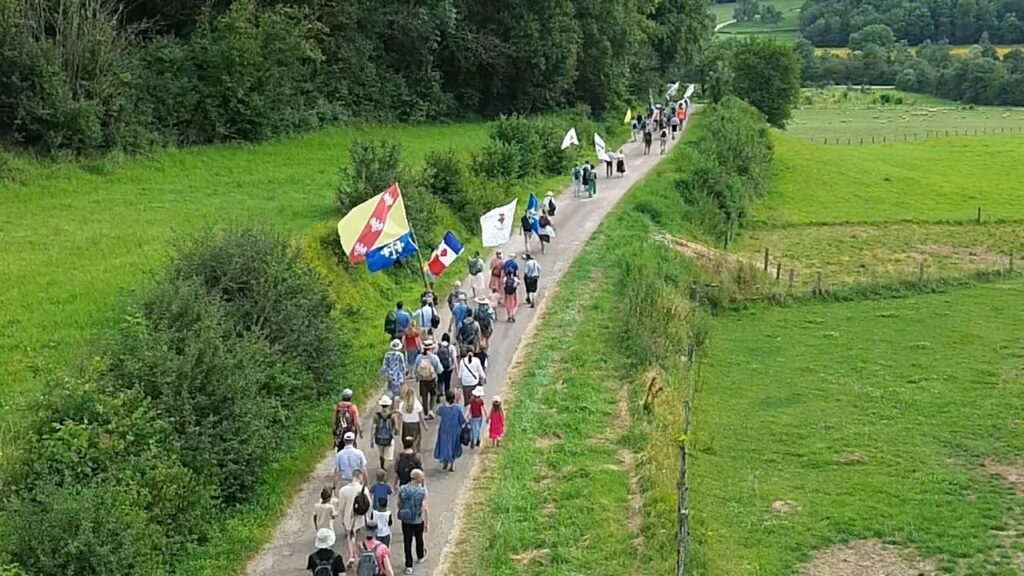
{"x":387,"y":452}
{"x":544,"y":238}
{"x":531,"y":284}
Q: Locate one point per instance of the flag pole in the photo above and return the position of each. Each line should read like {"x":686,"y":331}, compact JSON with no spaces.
{"x":419,"y":254}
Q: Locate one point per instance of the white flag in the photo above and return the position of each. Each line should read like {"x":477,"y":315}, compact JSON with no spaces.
{"x":496,"y":225}
{"x":671,"y":90}
{"x":689,"y":91}
{"x":570,"y":139}
{"x":602,"y":150}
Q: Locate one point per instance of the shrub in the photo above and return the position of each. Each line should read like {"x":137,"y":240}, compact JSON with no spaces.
{"x":445,"y":178}
{"x":373,"y":166}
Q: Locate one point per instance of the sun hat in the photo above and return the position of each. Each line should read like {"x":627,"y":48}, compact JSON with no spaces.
{"x":428,"y":343}
{"x":396,"y":344}
{"x":511,"y":255}
{"x":350,"y":435}
{"x":478,"y":391}
{"x":496,"y":399}
{"x":550,"y":193}
{"x":481,"y":300}
{"x":324,"y":538}
{"x":385,"y":400}
{"x":346,"y":394}
{"x":458,"y":284}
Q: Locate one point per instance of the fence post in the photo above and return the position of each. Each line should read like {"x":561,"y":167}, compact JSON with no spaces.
{"x":817,"y":285}
{"x":765,"y":259}
{"x":872,"y":139}
{"x":920,"y":272}
{"x":791,"y":272}
{"x":979,"y":214}
{"x":1011,"y":261}
{"x":778,"y":271}
{"x":947,"y":132}
{"x":883,"y":139}
{"x":861,"y":140}
{"x":682,"y":513}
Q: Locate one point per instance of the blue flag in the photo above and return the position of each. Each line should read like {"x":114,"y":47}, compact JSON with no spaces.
{"x":385,"y":256}
{"x":533,"y":212}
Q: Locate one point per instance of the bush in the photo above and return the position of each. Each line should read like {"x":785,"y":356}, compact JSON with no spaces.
{"x":373,"y":166}
{"x":444,"y":177}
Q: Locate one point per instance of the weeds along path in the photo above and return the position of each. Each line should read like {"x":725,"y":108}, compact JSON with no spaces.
{"x":575,"y":221}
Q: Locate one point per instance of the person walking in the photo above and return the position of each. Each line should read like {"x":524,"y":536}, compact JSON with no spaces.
{"x":456,"y":293}
{"x":484,"y":317}
{"x":577,"y":180}
{"x":428,"y":369}
{"x":393,"y":369}
{"x":674,"y":122}
{"x":496,"y":422}
{"x":414,"y":422}
{"x":588,"y":175}
{"x":609,"y":165}
{"x":427,"y":318}
{"x":531,"y":276}
{"x":634,"y":128}
{"x":471,"y":374}
{"x":469,"y":334}
{"x":527,"y":226}
{"x":324,"y":512}
{"x":346,"y":419}
{"x":448,"y":355}
{"x":354,"y":505}
{"x":448,"y":448}
{"x":497,"y":264}
{"x":549,"y":203}
{"x":385,"y":429}
{"x":511,"y":287}
{"x":414,"y":515}
{"x":374,"y":555}
{"x":325,"y":561}
{"x":412,"y":345}
{"x":383,"y":519}
{"x":663,"y":138}
{"x":648,"y":139}
{"x":592,"y":191}
{"x":397,"y":321}
{"x":476,"y":275}
{"x":406,"y":463}
{"x":547,"y":232}
{"x":347,"y":462}
{"x":459,"y":314}
{"x":620,"y":163}
{"x":475,"y":409}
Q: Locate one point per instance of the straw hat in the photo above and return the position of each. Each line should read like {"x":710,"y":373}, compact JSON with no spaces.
{"x":324,"y":538}
{"x":396,"y":344}
{"x":478,"y":391}
{"x":385,"y":400}
{"x":428,"y":344}
{"x":481,"y":300}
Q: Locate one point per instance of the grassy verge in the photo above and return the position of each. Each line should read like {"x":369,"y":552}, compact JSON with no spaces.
{"x":874,"y":419}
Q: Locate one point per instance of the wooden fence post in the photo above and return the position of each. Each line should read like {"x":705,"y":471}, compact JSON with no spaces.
{"x":791,"y":273}
{"x":766,"y":260}
{"x":817,"y":285}
{"x":1011,"y":261}
{"x":682,"y":512}
{"x":920,"y":271}
{"x":979,"y":214}
{"x":778,"y":271}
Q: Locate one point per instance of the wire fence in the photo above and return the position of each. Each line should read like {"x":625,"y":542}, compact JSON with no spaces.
{"x":912,"y":136}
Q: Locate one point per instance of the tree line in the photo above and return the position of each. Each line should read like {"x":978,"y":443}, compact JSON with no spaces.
{"x":831,"y":22}
{"x":979,"y":77}
{"x":93,"y":75}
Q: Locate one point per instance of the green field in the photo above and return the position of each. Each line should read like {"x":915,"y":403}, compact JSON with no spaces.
{"x":786,"y":30}
{"x":934,"y":180}
{"x":926,"y":389}
{"x":75,"y":240}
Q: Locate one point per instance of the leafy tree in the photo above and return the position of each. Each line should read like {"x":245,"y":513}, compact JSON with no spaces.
{"x":767,"y":74}
{"x":877,"y":35}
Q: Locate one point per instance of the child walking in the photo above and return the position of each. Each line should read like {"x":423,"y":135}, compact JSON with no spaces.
{"x":496,"y":420}
{"x":382,"y":518}
{"x":476,"y":416}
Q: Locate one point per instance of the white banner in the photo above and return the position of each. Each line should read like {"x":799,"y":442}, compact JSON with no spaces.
{"x":689,"y":91}
{"x":496,"y":225}
{"x":602,"y":150}
{"x":570,"y":139}
{"x":672,"y":88}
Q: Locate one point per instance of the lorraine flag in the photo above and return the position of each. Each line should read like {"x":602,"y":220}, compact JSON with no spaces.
{"x":446,"y":252}
{"x":379,"y":221}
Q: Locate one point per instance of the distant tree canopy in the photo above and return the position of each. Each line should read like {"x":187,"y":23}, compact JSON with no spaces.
{"x":831,"y":22}
{"x":88,"y":75}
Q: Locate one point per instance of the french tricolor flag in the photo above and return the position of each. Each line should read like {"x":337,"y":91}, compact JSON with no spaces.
{"x":445,"y":254}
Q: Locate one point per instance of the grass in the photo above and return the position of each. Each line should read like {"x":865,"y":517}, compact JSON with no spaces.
{"x":926,"y":388}
{"x":77,"y":236}
{"x":786,"y":30}
{"x":864,"y":254}
{"x":935,"y":180}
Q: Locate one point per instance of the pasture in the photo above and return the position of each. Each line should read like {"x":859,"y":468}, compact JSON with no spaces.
{"x":828,"y":423}
{"x":77,"y":237}
{"x":786,"y":30}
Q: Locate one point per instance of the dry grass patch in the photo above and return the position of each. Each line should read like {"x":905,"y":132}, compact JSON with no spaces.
{"x":546,"y":442}
{"x":854,"y":457}
{"x":867,"y":558}
{"x":1012,"y":475}
{"x":784,"y":507}
{"x":536,"y":556}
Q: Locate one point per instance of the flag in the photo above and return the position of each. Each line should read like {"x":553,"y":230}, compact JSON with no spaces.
{"x":629,"y":115}
{"x":650,"y":102}
{"x":446,"y":252}
{"x":570,"y":139}
{"x":385,"y":255}
{"x":689,"y":91}
{"x":378,"y":221}
{"x":533,"y":212}
{"x":496,"y":225}
{"x":672,"y":88}
{"x":599,"y":145}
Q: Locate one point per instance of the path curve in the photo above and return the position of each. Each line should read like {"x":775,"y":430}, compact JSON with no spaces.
{"x":575,"y":221}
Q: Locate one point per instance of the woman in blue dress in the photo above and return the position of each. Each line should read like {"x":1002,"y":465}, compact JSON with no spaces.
{"x":448,"y":448}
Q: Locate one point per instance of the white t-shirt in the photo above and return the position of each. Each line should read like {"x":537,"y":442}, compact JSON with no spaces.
{"x":382,"y":519}
{"x":471,"y":372}
{"x":325,"y":514}
{"x":413,"y":416}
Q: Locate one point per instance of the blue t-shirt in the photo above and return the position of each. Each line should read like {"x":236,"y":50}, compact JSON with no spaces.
{"x":511,"y":267}
{"x":402,"y":320}
{"x":380,"y":490}
{"x":459,"y":313}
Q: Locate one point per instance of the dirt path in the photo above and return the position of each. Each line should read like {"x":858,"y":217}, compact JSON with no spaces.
{"x":575,"y":221}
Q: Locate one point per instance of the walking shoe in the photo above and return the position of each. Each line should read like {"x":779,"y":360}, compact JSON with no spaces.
{"x":423,"y":559}
{"x":408,"y":571}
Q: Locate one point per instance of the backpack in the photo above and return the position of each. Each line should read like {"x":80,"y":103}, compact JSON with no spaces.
{"x":344,"y":424}
{"x":586,"y":175}
{"x":425,"y":369}
{"x":476,"y":266}
{"x":577,"y":173}
{"x":444,"y":354}
{"x":406,"y":514}
{"x":406,"y":466}
{"x":367,"y":565}
{"x":384,"y":435}
{"x":551,"y":206}
{"x":435,"y":318}
{"x":361,"y":504}
{"x":510,"y":285}
{"x":323,"y":567}
{"x":391,"y":322}
{"x":467,"y":334}
{"x":483,"y":318}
